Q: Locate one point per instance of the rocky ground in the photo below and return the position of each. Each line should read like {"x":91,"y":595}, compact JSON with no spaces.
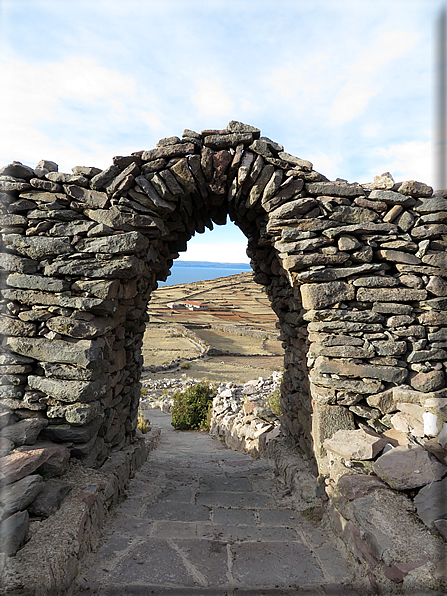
{"x":157,"y":393}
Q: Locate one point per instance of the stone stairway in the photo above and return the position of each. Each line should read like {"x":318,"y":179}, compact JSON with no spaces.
{"x":202,"y":519}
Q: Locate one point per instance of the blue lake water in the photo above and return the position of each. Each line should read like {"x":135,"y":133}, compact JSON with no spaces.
{"x":183,"y":272}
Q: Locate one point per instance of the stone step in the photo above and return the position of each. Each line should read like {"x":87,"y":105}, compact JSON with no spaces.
{"x":202,"y":519}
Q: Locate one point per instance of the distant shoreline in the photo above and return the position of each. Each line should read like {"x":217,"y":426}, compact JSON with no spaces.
{"x":212,"y":265}
{"x":190,"y":271}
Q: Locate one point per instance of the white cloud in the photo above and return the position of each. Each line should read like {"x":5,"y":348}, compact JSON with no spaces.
{"x":36,"y":92}
{"x":307,"y":79}
{"x":364,"y":81}
{"x":212,"y":99}
{"x":328,"y":165}
{"x":228,"y":252}
{"x":287,"y":81}
{"x":151,"y":119}
{"x":352,"y":99}
{"x":26,"y":143}
{"x":407,"y":161}
{"x":79,"y":99}
{"x":371,"y":129}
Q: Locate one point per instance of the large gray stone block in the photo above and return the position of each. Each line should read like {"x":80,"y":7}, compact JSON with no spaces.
{"x":37,"y":247}
{"x":69,"y":391}
{"x":84,"y":353}
{"x":431,"y":502}
{"x":317,"y":296}
{"x":18,"y":496}
{"x":13,"y":531}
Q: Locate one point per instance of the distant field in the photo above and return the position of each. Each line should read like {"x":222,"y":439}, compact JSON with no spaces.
{"x":235,"y":307}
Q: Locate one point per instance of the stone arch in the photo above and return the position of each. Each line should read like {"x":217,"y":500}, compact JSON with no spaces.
{"x":356,"y":276}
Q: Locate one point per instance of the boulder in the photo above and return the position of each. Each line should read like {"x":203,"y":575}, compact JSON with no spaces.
{"x":354,"y":486}
{"x":355,"y":444}
{"x":129,"y":242}
{"x":348,"y":369}
{"x":49,"y":498}
{"x":24,"y":432}
{"x":316,"y":296}
{"x":406,"y":422}
{"x":18,"y":496}
{"x":13,"y":531}
{"x":431,"y":502}
{"x":428,"y":381}
{"x":62,"y":433}
{"x":56,"y":458}
{"x":6,"y":446}
{"x":37,"y":247}
{"x":85,"y":353}
{"x":68,"y":391}
{"x":326,"y":421}
{"x":19,"y":464}
{"x":409,"y":466}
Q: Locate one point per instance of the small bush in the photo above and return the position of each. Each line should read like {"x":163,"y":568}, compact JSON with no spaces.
{"x":142,"y":423}
{"x":191,"y":407}
{"x":274,"y":402}
{"x":185,"y":365}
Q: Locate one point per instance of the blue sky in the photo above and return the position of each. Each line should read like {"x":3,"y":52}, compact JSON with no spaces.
{"x":345,"y":84}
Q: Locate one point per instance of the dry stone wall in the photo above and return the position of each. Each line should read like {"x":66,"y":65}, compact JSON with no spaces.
{"x":356,"y":274}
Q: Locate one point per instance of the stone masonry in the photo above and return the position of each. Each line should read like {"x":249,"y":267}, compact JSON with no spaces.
{"x":357,"y":275}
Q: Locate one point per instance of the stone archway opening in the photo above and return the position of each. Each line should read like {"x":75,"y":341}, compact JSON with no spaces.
{"x":356,"y":276}
{"x":245,"y":177}
{"x":83,"y":252}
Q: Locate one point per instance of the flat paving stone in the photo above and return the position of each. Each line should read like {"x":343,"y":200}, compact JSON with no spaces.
{"x":200,"y":519}
{"x":225,"y":483}
{"x":282,"y":517}
{"x":277,"y":563}
{"x":179,"y":512}
{"x":246,"y":533}
{"x":155,"y":561}
{"x":233,"y":517}
{"x":236,"y":500}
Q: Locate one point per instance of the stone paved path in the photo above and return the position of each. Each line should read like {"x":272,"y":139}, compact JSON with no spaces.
{"x":202,"y":519}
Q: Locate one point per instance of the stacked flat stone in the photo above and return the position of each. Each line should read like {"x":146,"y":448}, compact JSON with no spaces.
{"x":241,"y":415}
{"x":357,"y":276}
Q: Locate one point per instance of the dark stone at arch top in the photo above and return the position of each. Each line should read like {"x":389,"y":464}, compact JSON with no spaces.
{"x":228,"y":141}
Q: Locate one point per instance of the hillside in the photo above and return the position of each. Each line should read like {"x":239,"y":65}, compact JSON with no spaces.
{"x":233,"y":337}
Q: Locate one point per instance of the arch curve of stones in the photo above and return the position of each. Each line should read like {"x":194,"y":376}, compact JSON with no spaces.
{"x":356,"y":274}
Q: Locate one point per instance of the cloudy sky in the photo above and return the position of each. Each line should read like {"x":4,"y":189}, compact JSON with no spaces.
{"x":346,"y":84}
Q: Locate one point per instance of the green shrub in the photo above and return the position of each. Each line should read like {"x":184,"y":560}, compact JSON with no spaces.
{"x":274,"y":402}
{"x":191,"y":407}
{"x":142,"y":423}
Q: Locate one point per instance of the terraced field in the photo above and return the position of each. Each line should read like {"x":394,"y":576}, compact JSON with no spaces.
{"x":232,"y":338}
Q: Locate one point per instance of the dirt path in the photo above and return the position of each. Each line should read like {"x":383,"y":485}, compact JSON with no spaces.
{"x":202,"y":519}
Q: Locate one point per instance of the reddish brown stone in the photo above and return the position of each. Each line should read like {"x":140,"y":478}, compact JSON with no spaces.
{"x":430,"y":381}
{"x":20,"y":463}
{"x":56,"y":457}
{"x":397,"y":467}
{"x":437,"y":450}
{"x":353,"y":486}
{"x":396,"y":573}
{"x":250,"y":406}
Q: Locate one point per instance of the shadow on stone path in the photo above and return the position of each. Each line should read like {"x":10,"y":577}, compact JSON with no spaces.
{"x":202,"y":519}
